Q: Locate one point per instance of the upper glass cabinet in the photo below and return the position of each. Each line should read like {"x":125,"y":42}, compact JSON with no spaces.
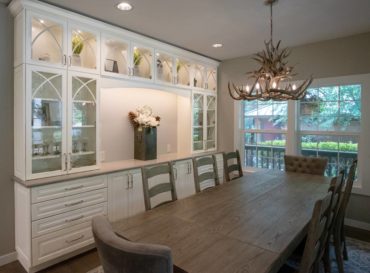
{"x":83,"y":49}
{"x":183,"y":68}
{"x":164,"y":67}
{"x":47,"y":44}
{"x":115,"y":57}
{"x":142,"y":62}
{"x":211,"y":80}
{"x":199,"y":76}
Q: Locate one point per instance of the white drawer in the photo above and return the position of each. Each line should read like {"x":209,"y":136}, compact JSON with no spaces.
{"x":73,"y":202}
{"x":68,"y":219}
{"x":63,"y":189}
{"x":59,"y":243}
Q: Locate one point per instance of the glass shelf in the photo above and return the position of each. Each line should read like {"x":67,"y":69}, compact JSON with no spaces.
{"x":42,"y":157}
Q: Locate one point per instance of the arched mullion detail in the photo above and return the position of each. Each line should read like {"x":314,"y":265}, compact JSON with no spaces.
{"x":47,"y":29}
{"x":84,"y":84}
{"x":46,"y":80}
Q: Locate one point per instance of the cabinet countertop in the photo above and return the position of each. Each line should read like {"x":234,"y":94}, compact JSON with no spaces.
{"x":110,"y":167}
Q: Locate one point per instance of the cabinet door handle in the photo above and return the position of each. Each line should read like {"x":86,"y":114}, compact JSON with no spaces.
{"x":74,"y":219}
{"x":74,"y":188}
{"x":64,"y":59}
{"x":128,"y":181}
{"x":69,"y":60}
{"x":69,"y":160}
{"x":74,"y":240}
{"x":132,"y":181}
{"x":175,"y":172}
{"x":65,"y":162}
{"x":74,"y":203}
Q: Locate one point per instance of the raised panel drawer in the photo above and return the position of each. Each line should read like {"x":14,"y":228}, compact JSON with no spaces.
{"x":56,"y":244}
{"x":66,"y":220}
{"x":65,"y":204}
{"x":63,"y":189}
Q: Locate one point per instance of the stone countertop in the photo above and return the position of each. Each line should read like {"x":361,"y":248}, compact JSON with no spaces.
{"x":110,"y":167}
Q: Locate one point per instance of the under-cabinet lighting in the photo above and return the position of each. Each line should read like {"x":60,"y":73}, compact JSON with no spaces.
{"x":124,"y":6}
{"x":217,"y":45}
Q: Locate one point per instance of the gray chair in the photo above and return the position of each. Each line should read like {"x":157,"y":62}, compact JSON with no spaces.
{"x":205,"y":169}
{"x":118,"y":255}
{"x":148,"y":174}
{"x":315,"y":245}
{"x":233,"y":170}
{"x":303,"y":164}
{"x":338,"y":229}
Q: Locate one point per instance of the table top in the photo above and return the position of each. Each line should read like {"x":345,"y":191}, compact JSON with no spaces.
{"x":251,"y":224}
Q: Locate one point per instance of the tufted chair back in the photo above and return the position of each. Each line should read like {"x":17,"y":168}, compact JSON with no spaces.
{"x":303,"y":164}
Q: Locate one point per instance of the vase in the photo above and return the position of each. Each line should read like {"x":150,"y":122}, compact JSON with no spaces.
{"x":145,"y":143}
{"x":76,"y":60}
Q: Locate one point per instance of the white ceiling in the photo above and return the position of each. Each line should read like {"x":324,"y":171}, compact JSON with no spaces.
{"x":241,"y":25}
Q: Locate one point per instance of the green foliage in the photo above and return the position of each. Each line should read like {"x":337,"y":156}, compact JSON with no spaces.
{"x":137,"y":57}
{"x":77,"y":45}
{"x":178,"y":66}
{"x":324,"y":145}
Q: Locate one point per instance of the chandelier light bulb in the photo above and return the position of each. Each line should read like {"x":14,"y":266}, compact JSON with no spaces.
{"x":257,"y":85}
{"x":247,"y":88}
{"x":294,"y":87}
{"x":274,"y":85}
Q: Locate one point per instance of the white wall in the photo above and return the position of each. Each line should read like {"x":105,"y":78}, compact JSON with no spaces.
{"x":117,"y":134}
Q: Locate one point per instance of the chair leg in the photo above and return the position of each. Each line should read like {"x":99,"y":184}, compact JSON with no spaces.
{"x":326,"y":258}
{"x":338,"y":252}
{"x":343,"y":242}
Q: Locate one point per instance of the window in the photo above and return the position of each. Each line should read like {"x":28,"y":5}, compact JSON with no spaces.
{"x":329,"y":124}
{"x":265,"y":125}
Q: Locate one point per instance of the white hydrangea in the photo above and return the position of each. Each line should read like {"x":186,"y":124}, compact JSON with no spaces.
{"x":145,"y":118}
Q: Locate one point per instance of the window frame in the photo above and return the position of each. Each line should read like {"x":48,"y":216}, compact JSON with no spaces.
{"x":293,"y":133}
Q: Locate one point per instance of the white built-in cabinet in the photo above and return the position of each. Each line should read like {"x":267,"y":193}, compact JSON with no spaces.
{"x":125,"y":194}
{"x":204,"y":122}
{"x":184,"y":178}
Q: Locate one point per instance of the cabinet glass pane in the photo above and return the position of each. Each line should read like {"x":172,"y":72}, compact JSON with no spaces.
{"x":211,"y":122}
{"x":212,"y":79}
{"x":164,"y":67}
{"x":198,"y":80}
{"x":198,"y":126}
{"x":116,"y":56}
{"x":47,"y":41}
{"x":46,"y":121}
{"x":183,"y":72}
{"x":83,"y":122}
{"x":84,"y":49}
{"x":142,"y":62}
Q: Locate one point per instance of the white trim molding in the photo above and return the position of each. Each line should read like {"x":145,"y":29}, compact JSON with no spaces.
{"x":357,"y":224}
{"x":8,"y":258}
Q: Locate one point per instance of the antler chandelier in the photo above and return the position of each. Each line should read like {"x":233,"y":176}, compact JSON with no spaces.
{"x":271,"y":80}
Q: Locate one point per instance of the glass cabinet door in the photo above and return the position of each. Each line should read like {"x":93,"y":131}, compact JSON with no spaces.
{"x":198,"y":126}
{"x":47,"y":40}
{"x":47,"y":121}
{"x":211,"y":79}
{"x":115,"y":57}
{"x":142,"y":62}
{"x":198,"y":79}
{"x":164,"y":67}
{"x":183,"y":72}
{"x":211,"y":123}
{"x":83,"y":51}
{"x":82,"y":142}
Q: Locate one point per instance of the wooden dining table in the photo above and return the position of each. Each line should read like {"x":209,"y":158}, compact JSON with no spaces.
{"x":251,"y":224}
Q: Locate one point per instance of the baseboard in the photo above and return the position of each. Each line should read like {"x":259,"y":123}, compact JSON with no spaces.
{"x":8,"y":258}
{"x":357,"y":224}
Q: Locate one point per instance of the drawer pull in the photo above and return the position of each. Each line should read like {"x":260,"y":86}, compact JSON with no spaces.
{"x":74,"y":240}
{"x":74,"y":204}
{"x":74,"y":219}
{"x":74,"y":188}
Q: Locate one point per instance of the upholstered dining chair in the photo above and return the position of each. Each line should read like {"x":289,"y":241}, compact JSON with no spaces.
{"x":338,"y":228}
{"x":315,"y":245}
{"x":205,"y":172}
{"x":154,"y":187}
{"x":233,"y":170}
{"x":303,"y":164}
{"x":119,"y":255}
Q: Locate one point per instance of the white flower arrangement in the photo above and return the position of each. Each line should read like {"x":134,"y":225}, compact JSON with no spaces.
{"x":143,"y":117}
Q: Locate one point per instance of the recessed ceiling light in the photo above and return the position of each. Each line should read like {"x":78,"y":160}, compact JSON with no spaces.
{"x":124,"y":6}
{"x":218,"y":45}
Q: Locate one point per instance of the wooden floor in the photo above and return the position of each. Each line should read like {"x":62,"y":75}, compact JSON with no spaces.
{"x":78,"y":264}
{"x":89,"y":260}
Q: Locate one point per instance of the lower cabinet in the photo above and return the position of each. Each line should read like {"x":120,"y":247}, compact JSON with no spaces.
{"x":125,"y":194}
{"x":184,"y":178}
